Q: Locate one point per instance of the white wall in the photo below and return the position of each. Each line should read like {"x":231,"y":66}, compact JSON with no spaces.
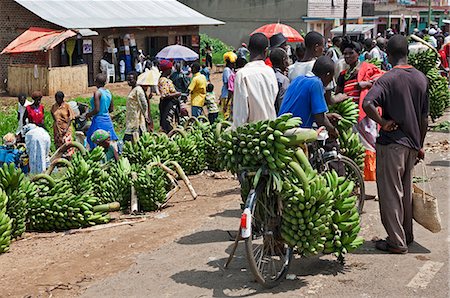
{"x":323,"y":8}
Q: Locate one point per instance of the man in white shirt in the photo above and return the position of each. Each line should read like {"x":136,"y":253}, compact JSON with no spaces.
{"x":314,"y":43}
{"x":371,"y":47}
{"x":255,"y":86}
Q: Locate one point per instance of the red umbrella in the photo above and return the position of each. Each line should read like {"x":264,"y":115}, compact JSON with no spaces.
{"x":270,"y":29}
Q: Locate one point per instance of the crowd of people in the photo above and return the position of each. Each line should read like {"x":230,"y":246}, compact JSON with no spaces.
{"x":260,"y":81}
{"x":397,"y":145}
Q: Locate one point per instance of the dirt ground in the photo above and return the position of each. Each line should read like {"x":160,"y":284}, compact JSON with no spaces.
{"x":63,"y":264}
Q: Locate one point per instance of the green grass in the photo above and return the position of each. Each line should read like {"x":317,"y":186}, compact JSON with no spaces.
{"x":9,"y":123}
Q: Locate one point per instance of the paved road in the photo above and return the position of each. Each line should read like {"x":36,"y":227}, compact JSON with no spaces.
{"x":192,"y":266}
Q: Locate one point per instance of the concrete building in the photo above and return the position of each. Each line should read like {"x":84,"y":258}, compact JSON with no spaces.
{"x":324,"y":15}
{"x":242,"y":17}
{"x":120,"y":28}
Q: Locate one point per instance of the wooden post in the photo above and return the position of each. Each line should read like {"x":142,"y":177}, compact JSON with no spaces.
{"x":49,"y":55}
{"x":134,"y":199}
{"x":344,"y":23}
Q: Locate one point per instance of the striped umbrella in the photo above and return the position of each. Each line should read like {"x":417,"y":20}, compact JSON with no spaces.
{"x":290,"y":33}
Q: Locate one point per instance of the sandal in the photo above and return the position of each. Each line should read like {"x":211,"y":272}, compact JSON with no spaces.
{"x":384,"y":246}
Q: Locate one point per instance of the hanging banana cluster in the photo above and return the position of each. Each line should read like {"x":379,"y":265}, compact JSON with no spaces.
{"x":349,"y":112}
{"x":438,"y":92}
{"x":5,"y":224}
{"x":59,"y":207}
{"x":345,"y":217}
{"x":19,"y":190}
{"x":351,"y":147}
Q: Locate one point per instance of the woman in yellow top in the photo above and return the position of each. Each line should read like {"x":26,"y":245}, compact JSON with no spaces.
{"x":197,"y":88}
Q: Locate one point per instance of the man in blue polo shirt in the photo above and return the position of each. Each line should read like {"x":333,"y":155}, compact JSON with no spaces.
{"x":305,"y":96}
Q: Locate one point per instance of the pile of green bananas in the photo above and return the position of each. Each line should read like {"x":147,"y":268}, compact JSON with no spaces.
{"x":212,"y":145}
{"x":438,"y":93}
{"x":349,"y":112}
{"x":59,"y":206}
{"x":5,"y":224}
{"x":345,"y":224}
{"x":191,"y":151}
{"x":149,"y":147}
{"x":19,"y":190}
{"x":151,"y":187}
{"x":351,"y":147}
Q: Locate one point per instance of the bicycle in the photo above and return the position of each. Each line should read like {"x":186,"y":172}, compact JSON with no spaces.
{"x":268,"y":255}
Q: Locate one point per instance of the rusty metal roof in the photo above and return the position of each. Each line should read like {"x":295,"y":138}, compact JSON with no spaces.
{"x":116,"y":13}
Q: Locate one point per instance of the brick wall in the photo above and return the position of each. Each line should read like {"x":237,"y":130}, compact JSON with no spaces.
{"x":14,"y":20}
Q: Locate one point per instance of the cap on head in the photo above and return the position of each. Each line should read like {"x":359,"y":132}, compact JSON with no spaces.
{"x":277,"y":40}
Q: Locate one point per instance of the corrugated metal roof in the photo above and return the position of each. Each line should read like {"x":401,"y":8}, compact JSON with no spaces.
{"x":116,"y":13}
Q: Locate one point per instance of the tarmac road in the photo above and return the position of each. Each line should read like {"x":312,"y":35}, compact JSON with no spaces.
{"x":192,"y":266}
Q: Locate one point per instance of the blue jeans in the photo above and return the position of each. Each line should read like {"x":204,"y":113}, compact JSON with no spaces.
{"x":196,"y":111}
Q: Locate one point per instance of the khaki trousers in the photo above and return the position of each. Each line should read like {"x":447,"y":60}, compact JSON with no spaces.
{"x":394,"y":183}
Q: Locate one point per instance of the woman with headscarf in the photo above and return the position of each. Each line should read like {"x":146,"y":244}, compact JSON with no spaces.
{"x":37,"y":142}
{"x":169,"y":104}
{"x":62,"y":115}
{"x":101,"y":105}
{"x":34,"y":113}
{"x":102,"y":138}
{"x":355,"y":81}
{"x":8,"y":152}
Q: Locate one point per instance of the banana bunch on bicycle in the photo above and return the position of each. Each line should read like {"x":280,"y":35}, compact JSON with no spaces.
{"x":320,"y":213}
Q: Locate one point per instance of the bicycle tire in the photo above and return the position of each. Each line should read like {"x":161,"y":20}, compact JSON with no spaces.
{"x":260,"y":254}
{"x":350,"y":165}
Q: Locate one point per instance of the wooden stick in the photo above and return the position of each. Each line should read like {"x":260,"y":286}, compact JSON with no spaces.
{"x":134,"y":199}
{"x":185,"y":179}
{"x":102,"y":227}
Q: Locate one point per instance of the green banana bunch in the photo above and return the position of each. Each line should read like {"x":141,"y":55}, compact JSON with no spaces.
{"x":5,"y":224}
{"x":349,"y":112}
{"x":119,"y":181}
{"x":191,"y":151}
{"x":351,"y":147}
{"x":423,"y":60}
{"x":261,"y":143}
{"x":345,"y":226}
{"x":58,"y":207}
{"x":375,"y":61}
{"x":149,"y":147}
{"x":19,"y":191}
{"x":307,"y":215}
{"x":438,"y":93}
{"x":151,"y":187}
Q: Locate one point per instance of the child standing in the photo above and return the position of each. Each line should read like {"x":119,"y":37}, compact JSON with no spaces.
{"x":210,"y":100}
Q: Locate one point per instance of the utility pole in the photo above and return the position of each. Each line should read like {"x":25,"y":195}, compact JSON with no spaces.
{"x":429,"y":14}
{"x":344,"y":23}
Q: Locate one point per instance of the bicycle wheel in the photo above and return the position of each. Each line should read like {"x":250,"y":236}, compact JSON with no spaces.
{"x":353,"y":172}
{"x":267,"y":254}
